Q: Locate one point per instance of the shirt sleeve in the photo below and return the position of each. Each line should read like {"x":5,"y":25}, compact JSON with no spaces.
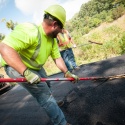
{"x":21,"y":37}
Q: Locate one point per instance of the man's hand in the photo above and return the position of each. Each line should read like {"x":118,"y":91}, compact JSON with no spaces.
{"x":74,"y":45}
{"x":31,"y":77}
{"x":68,"y":74}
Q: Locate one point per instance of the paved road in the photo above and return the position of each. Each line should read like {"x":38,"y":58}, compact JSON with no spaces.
{"x":86,"y":103}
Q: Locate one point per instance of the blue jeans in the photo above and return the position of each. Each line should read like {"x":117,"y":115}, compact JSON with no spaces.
{"x":44,"y":75}
{"x":69,"y":59}
{"x":42,"y":94}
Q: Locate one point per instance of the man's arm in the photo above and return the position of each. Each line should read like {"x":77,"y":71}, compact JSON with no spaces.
{"x":61,"y":65}
{"x":72,"y":41}
{"x":70,"y":38}
{"x":12,"y":58}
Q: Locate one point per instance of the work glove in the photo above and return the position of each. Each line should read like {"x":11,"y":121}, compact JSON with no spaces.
{"x":31,"y":77}
{"x":68,"y":74}
{"x":74,"y":46}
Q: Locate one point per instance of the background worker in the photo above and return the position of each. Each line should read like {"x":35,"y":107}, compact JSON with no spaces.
{"x":65,"y":43}
{"x":25,"y":50}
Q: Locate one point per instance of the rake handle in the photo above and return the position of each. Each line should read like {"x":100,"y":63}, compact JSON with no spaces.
{"x":45,"y":79}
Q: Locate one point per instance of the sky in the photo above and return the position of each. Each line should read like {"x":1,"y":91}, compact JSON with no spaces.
{"x":32,"y":10}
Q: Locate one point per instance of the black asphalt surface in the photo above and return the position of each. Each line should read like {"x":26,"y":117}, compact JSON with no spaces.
{"x":86,"y":103}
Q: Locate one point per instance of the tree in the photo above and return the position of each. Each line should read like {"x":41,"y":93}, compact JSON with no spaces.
{"x":2,"y":36}
{"x":9,"y":24}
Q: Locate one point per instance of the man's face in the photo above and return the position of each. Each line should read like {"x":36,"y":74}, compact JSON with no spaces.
{"x":55,"y":30}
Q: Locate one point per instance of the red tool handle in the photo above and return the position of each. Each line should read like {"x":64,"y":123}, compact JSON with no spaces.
{"x":65,"y":79}
{"x":44,"y":79}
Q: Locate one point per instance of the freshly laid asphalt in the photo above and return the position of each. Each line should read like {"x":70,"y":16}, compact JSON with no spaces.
{"x":86,"y":103}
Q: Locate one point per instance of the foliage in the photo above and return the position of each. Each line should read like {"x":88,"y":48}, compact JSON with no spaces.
{"x":122,"y":43}
{"x":118,"y":11}
{"x":9,"y":24}
{"x":93,"y":13}
{"x":2,"y":36}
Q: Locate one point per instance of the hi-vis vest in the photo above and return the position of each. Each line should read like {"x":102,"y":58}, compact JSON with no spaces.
{"x":35,"y":54}
{"x":64,"y":41}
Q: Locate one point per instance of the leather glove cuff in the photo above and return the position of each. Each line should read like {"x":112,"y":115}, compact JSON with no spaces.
{"x":67,"y":74}
{"x":31,"y":77}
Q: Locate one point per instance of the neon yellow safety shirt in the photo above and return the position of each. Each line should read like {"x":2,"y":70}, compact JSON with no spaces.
{"x":24,"y":39}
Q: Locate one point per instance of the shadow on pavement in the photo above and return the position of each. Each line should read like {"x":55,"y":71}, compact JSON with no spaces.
{"x":86,"y":103}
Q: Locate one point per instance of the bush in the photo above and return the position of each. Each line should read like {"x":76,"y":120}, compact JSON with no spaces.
{"x":122,"y":44}
{"x":118,"y":12}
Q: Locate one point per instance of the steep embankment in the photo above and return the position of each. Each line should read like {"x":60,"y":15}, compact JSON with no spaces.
{"x":110,"y":34}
